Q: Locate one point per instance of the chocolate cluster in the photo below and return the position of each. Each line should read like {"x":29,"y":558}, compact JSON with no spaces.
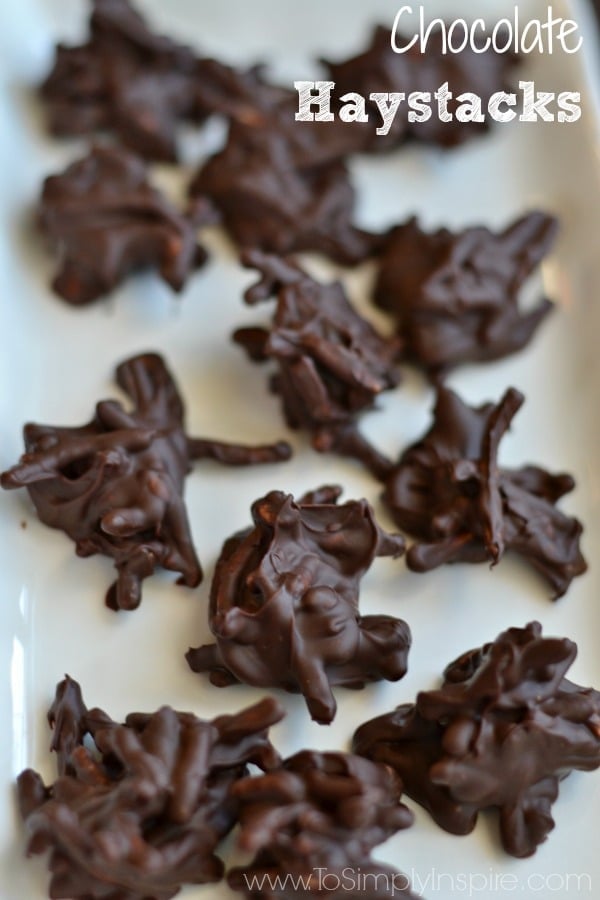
{"x":284,"y":602}
{"x":129,"y":81}
{"x":279,"y":185}
{"x":271,"y":195}
{"x":282,"y":186}
{"x":104,"y":221}
{"x":331,"y":363}
{"x":115,"y":485}
{"x":503,"y":730}
{"x":378,"y":69}
{"x":449,"y":492}
{"x":138,"y":808}
{"x":140,"y":86}
{"x":311,"y":826}
{"x":249,"y":101}
{"x":455,"y":295}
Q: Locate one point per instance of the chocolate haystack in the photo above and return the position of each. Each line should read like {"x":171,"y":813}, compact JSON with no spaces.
{"x":125,"y":80}
{"x":380,"y":69}
{"x":503,"y":730}
{"x":312,"y":825}
{"x":448,"y":491}
{"x":115,"y":485}
{"x":331,"y":363}
{"x":272,"y":195}
{"x":139,"y":812}
{"x":284,"y":602}
{"x":105,"y":221}
{"x":279,"y":185}
{"x":141,"y":86}
{"x":455,"y":296}
{"x":250,"y":102}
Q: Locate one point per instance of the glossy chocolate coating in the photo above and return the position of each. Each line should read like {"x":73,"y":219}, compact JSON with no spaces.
{"x":380,"y":69}
{"x":115,"y":485}
{"x":319,"y":813}
{"x":284,"y":602}
{"x":105,"y":221}
{"x":331,"y":363}
{"x":272,"y":195}
{"x":140,"y":812}
{"x":455,"y":295}
{"x":140,"y":86}
{"x":449,"y":492}
{"x":250,"y":101}
{"x":279,"y":185}
{"x":127,"y":80}
{"x":503,"y":730}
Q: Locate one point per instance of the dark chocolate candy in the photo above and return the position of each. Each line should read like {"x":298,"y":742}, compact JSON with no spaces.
{"x":104,"y":221}
{"x":380,"y":69}
{"x":448,"y":491}
{"x":139,"y":812}
{"x":505,"y":727}
{"x":127,"y":80}
{"x":455,"y":296}
{"x":284,"y":602}
{"x":139,"y":85}
{"x":251,"y":102}
{"x":115,"y":485}
{"x":331,"y":363}
{"x":313,"y":823}
{"x":271,"y":195}
{"x":281,"y":185}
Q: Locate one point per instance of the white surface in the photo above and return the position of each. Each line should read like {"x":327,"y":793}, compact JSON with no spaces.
{"x":57,"y":361}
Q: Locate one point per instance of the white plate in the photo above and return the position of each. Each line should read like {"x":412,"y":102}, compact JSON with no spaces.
{"x":57,"y":361}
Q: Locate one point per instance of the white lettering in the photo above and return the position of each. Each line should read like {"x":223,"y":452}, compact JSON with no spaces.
{"x":354,"y":108}
{"x":509,"y":35}
{"x":479,"y":25}
{"x":569,"y":105}
{"x":419,"y":104}
{"x":460,"y":23}
{"x":395,"y":47}
{"x":443,"y":96}
{"x":535,"y":103}
{"x":537,"y":42}
{"x":470,"y":109}
{"x":388,"y":106}
{"x":569,"y":27}
{"x":502,"y":29}
{"x":426,"y":31}
{"x":314,"y":93}
{"x":499,"y":99}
